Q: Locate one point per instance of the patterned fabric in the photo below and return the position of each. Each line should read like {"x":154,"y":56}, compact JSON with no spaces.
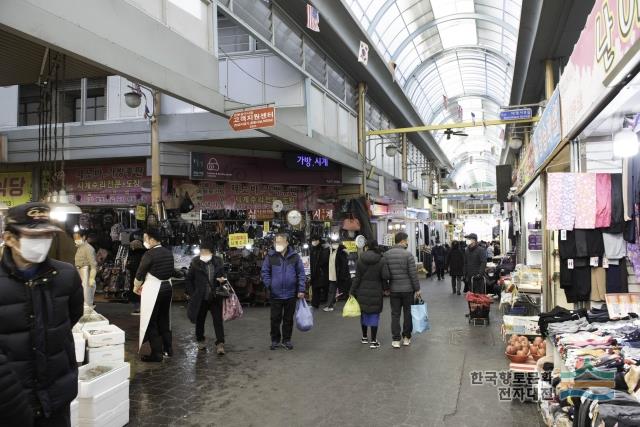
{"x":603,"y":200}
{"x":586,"y":194}
{"x":554,"y":200}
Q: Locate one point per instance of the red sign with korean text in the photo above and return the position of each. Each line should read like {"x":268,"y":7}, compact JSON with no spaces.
{"x":123,"y":184}
{"x":253,"y":119}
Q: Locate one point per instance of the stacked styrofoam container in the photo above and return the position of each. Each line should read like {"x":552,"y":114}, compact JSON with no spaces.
{"x":103,"y":383}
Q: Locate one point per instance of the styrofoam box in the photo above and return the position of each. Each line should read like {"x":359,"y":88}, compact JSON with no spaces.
{"x":117,"y":417}
{"x":106,"y":354}
{"x":103,"y":335}
{"x":118,"y":373}
{"x":80,"y":343}
{"x":74,"y":413}
{"x":94,"y":407}
{"x":88,"y":321}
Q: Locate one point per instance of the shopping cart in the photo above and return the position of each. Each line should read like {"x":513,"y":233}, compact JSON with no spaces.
{"x":478,"y":300}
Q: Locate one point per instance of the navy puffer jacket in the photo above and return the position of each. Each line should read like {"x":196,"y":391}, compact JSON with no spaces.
{"x":36,"y":317}
{"x":284,"y":276}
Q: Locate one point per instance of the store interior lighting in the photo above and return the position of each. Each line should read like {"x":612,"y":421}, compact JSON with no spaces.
{"x":391,"y":150}
{"x":61,"y":207}
{"x":625,"y":143}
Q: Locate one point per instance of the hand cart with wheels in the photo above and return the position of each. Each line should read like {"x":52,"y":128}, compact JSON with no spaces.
{"x":479,"y":302}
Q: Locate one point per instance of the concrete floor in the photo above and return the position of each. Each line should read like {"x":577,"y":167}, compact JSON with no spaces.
{"x":330,"y":379}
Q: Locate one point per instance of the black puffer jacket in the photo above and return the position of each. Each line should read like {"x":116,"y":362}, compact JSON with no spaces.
{"x":475,"y":260}
{"x":197,"y":283}
{"x":455,"y":260}
{"x":372,"y":275}
{"x":319,"y":257}
{"x":36,"y":317}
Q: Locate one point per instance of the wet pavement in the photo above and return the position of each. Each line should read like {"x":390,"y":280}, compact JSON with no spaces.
{"x":330,"y":378}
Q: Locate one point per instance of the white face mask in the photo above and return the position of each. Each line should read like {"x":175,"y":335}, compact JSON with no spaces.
{"x":206,"y":258}
{"x":315,"y":243}
{"x":147,"y":245}
{"x":335,"y":245}
{"x":79,"y":242}
{"x":280,"y":248}
{"x":35,"y":250}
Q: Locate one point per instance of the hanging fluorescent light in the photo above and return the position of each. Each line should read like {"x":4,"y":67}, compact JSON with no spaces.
{"x":61,"y":207}
{"x":515,"y":143}
{"x":391,"y":150}
{"x":625,"y":143}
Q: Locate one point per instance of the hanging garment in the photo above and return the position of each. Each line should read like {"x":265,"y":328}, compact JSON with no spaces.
{"x":627,"y":188}
{"x":555,"y":200}
{"x":567,"y":246}
{"x":603,"y":200}
{"x":617,"y":205}
{"x":598,"y":284}
{"x":595,"y":243}
{"x":614,"y":245}
{"x":614,"y":279}
{"x":580,"y":287}
{"x":586,"y":196}
{"x":568,"y":209}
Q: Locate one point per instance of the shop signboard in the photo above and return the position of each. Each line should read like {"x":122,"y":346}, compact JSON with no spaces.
{"x":255,"y":118}
{"x":121,"y":184}
{"x":256,"y":198}
{"x":548,"y":132}
{"x":238,"y":240}
{"x":516,"y":114}
{"x":218,"y":167}
{"x":141,"y":213}
{"x":350,"y":245}
{"x":306,"y":161}
{"x":606,"y":50}
{"x":378,"y":209}
{"x":15,"y":188}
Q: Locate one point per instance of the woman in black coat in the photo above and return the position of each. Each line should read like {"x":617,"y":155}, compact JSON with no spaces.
{"x":205,"y":276}
{"x":455,"y":261}
{"x":369,"y":285}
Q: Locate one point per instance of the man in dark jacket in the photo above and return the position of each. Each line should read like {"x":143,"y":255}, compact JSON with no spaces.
{"x":283,"y":274}
{"x":156,"y":265}
{"x":40,"y":301}
{"x":405,"y":286}
{"x":455,"y":260}
{"x":440,"y":258}
{"x":204,"y":287}
{"x":475,"y":260}
{"x":319,"y":258}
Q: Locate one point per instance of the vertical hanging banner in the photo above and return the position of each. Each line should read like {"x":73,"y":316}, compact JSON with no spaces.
{"x":363,"y":53}
{"x":548,"y":132}
{"x":313,"y":19}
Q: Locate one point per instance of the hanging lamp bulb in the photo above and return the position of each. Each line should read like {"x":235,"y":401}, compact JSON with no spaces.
{"x":61,"y":207}
{"x":625,"y":143}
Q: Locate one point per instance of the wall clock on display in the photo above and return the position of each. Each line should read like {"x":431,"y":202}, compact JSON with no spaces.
{"x":294,"y":217}
{"x":361,"y":241}
{"x":277,"y":206}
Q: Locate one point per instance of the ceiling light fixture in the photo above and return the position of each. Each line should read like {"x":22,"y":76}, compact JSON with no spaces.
{"x":625,"y":143}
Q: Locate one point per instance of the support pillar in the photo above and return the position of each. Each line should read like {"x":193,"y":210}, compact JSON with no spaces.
{"x":362,"y":136}
{"x":156,"y":181}
{"x":549,"y":84}
{"x":405,"y":171}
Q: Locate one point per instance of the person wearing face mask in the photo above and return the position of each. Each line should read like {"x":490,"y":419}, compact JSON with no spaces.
{"x":475,"y":260}
{"x":405,"y":287}
{"x":40,"y":301}
{"x":283,"y":274}
{"x":339,"y":274}
{"x":319,"y":259}
{"x":153,"y":283}
{"x":206,"y":294}
{"x":87,"y":266}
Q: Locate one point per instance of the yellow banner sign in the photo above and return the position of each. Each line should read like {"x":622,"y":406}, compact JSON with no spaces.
{"x":141,"y":213}
{"x":238,"y":240}
{"x":15,"y":188}
{"x":350,"y":245}
{"x":265,"y":227}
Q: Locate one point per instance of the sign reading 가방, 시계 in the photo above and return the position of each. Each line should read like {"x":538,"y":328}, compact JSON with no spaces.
{"x":238,"y":240}
{"x":255,"y":118}
{"x":15,"y":188}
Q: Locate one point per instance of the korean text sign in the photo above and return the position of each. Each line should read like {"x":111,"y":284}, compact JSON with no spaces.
{"x":15,"y":188}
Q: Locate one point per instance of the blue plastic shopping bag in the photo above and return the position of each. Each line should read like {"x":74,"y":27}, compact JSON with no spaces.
{"x":304,"y":317}
{"x":420,"y":316}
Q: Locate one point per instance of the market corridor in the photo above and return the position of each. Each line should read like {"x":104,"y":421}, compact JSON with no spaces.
{"x":330,"y":378}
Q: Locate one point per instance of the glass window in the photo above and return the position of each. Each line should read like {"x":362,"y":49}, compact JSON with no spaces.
{"x":96,"y":93}
{"x":287,"y":38}
{"x":314,"y":61}
{"x":231,"y":37}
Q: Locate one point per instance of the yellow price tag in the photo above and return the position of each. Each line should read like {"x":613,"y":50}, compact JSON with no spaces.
{"x":141,"y":213}
{"x":266,"y":226}
{"x":350,"y":245}
{"x":238,"y":240}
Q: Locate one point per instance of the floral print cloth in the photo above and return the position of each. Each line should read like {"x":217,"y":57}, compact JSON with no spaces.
{"x":603,"y":200}
{"x":586,"y":194}
{"x":561,"y":201}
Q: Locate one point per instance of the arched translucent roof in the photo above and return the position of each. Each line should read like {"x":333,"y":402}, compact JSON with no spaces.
{"x":463,"y":50}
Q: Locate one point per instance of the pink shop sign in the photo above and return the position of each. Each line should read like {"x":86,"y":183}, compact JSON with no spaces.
{"x":606,"y":50}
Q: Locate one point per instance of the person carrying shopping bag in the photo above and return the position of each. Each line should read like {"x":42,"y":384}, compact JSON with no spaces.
{"x":371,"y":281}
{"x":205,"y":287}
{"x":405,"y":287}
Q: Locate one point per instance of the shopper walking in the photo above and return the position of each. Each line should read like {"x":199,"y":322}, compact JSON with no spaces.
{"x":475,"y":260}
{"x":319,"y":259}
{"x":204,"y":285}
{"x":455,"y":260}
{"x":339,"y":274}
{"x":404,"y":286}
{"x":440,"y":258}
{"x":136,"y":252}
{"x":369,"y":285}
{"x":283,"y":274}
{"x":153,"y":284}
{"x":87,"y":266}
{"x":490,"y":252}
{"x":40,"y":301}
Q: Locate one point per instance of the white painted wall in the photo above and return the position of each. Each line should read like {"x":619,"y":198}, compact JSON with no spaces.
{"x":117,"y":108}
{"x":9,"y":106}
